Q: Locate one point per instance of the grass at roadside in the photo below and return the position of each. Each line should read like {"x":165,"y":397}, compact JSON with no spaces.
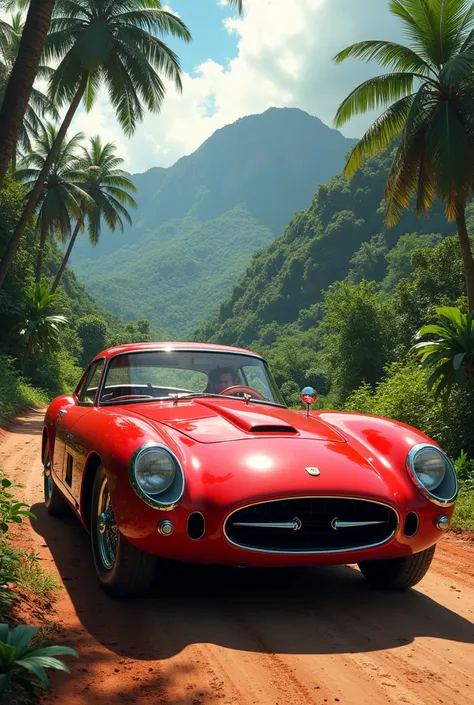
{"x":15,"y":393}
{"x":464,"y":513}
{"x":27,"y":594}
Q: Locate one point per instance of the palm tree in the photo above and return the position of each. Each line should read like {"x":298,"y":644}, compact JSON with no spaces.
{"x":108,"y":187}
{"x":428,"y":97}
{"x":24,"y":74}
{"x":22,"y":78}
{"x":451,"y":355}
{"x":39,"y":104}
{"x":42,"y":327}
{"x":62,"y":197}
{"x":111,"y":42}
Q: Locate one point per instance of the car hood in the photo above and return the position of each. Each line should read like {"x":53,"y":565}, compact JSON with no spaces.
{"x":221,"y":421}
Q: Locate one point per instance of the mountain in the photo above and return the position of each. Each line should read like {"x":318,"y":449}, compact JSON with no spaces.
{"x":341,"y":235}
{"x":199,"y":221}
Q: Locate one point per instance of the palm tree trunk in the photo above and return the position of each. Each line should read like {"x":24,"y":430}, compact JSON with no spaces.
{"x":466,"y":253}
{"x":38,"y":188}
{"x":67,"y":255}
{"x":22,"y":78}
{"x":39,"y":259}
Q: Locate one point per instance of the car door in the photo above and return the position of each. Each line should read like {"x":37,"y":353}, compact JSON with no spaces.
{"x":76,"y":451}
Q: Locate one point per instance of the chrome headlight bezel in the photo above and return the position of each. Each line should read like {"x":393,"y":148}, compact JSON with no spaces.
{"x":169,"y":498}
{"x":447,"y":491}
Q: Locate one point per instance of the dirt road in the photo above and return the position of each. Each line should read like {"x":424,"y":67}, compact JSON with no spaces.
{"x":225,"y":637}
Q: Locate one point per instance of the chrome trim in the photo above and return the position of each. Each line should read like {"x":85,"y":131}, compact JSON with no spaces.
{"x":313,"y":471}
{"x":150,"y":501}
{"x":107,"y":532}
{"x":312,"y":553}
{"x":47,"y":468}
{"x":442,"y":522}
{"x":165,"y":528}
{"x":181,"y":349}
{"x":295,"y":525}
{"x":435,"y":499}
{"x":336,"y":524}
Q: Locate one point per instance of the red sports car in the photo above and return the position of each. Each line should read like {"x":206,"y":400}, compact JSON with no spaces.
{"x":188,"y":451}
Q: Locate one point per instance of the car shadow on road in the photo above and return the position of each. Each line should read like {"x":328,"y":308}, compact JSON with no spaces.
{"x":298,"y":611}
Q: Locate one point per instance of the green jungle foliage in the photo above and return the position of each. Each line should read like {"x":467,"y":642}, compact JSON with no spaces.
{"x":56,"y":369}
{"x":199,"y":222}
{"x":341,"y":234}
{"x":336,"y":302}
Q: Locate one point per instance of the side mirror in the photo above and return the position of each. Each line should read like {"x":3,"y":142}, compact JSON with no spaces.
{"x":308,"y":397}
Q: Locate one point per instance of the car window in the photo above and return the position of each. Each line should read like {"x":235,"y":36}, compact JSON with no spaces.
{"x":152,"y":375}
{"x":187,"y":380}
{"x":257,"y":379}
{"x":89,"y":388}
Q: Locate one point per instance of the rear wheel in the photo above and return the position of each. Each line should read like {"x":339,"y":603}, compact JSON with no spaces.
{"x":398,"y":573}
{"x":123,"y":570}
{"x":53,"y":499}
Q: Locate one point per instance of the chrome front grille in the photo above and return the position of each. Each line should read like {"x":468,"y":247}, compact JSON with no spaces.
{"x":311,"y":525}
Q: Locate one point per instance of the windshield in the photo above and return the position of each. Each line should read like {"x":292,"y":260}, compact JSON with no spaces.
{"x":148,"y":376}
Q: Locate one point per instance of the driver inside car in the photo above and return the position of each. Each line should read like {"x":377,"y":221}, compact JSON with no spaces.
{"x":222,"y":379}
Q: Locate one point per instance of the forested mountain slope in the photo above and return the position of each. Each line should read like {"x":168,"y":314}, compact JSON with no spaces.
{"x":199,"y":221}
{"x":340,"y":235}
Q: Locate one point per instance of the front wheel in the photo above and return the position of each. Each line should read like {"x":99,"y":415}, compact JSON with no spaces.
{"x":54,"y":501}
{"x":398,"y":573}
{"x":123,"y":570}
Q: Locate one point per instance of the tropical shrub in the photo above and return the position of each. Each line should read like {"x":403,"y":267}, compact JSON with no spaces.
{"x":24,"y":664}
{"x":15,"y":392}
{"x":403,"y":395}
{"x":450,"y":356}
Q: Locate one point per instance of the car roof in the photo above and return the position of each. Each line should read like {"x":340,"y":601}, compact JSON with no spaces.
{"x":168,"y":346}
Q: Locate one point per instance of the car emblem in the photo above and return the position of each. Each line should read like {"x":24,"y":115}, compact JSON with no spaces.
{"x":313,"y":471}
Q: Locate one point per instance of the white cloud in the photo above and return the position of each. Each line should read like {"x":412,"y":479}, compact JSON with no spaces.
{"x":285,"y":52}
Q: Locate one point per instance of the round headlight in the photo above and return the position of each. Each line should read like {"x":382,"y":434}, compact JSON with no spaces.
{"x":155,"y":471}
{"x":430,"y":466}
{"x":433,"y":473}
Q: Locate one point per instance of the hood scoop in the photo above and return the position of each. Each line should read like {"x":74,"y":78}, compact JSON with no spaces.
{"x":272,"y":428}
{"x":252,"y":421}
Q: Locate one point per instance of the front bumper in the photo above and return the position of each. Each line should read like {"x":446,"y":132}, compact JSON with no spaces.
{"x":215,"y":547}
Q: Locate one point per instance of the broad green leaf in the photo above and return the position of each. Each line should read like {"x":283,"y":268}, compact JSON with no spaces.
{"x":36,"y":669}
{"x":7,"y":654}
{"x":458,"y":360}
{"x":21,"y":636}
{"x":52,"y":651}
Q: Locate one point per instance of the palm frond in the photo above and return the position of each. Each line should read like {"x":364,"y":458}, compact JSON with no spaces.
{"x":417,"y":19}
{"x":403,"y":179}
{"x":374,"y":93}
{"x":451,"y":154}
{"x":388,"y":55}
{"x":380,"y":134}
{"x":238,"y":4}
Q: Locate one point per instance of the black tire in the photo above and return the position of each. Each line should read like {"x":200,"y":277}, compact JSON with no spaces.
{"x":122,"y":569}
{"x":398,"y":573}
{"x":55,"y":503}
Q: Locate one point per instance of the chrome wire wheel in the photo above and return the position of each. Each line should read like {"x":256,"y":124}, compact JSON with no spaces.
{"x":48,"y":480}
{"x":106,"y":527}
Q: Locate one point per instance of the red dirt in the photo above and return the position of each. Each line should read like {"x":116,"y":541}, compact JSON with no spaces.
{"x":225,"y":637}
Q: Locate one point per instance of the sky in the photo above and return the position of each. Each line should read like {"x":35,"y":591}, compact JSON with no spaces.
{"x":280,"y":53}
